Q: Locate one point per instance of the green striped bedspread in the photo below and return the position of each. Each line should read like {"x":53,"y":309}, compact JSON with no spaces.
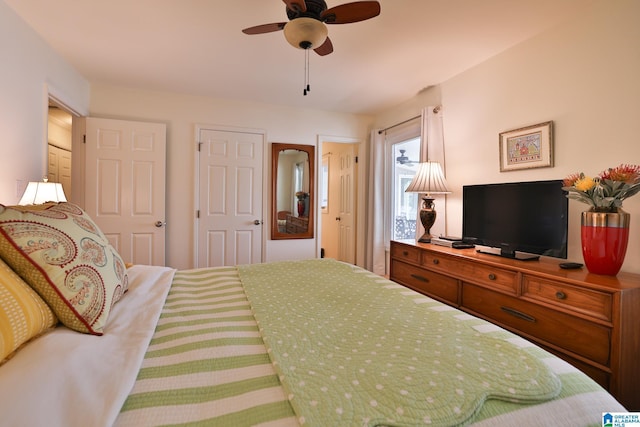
{"x":207,"y":364}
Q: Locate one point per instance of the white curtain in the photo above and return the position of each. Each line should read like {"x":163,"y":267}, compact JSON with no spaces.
{"x":376,"y":255}
{"x":432,"y":135}
{"x":379,"y":207}
{"x":430,"y":128}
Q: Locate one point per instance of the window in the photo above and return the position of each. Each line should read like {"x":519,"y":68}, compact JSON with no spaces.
{"x":324,"y":184}
{"x":404,"y":206}
{"x":402,"y":150}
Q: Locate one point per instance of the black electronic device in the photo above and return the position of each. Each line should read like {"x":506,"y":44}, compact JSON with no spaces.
{"x":570,"y":265}
{"x":462,"y":245}
{"x":521,"y":220}
{"x":451,"y":238}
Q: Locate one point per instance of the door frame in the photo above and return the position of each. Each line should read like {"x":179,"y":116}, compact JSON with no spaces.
{"x":51,"y":93}
{"x":196,"y":180}
{"x":360,"y":193}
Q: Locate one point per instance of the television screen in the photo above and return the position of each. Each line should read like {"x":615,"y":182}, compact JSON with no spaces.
{"x":525,"y":217}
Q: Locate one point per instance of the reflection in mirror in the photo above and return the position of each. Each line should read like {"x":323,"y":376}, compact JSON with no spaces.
{"x":292,"y":191}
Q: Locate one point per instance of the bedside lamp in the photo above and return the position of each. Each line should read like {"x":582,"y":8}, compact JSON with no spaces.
{"x":428,"y":180}
{"x":37,"y":193}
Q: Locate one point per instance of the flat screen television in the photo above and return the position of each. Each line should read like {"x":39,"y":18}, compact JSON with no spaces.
{"x":521,"y":220}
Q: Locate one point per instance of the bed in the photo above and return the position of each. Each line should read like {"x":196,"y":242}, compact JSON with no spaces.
{"x":311,"y":342}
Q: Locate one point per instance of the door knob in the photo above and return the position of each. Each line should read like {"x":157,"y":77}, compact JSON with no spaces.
{"x":257,"y":222}
{"x":160,"y":224}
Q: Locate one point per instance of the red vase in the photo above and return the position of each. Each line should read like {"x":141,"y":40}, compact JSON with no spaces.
{"x":604,"y":240}
{"x":300,"y":207}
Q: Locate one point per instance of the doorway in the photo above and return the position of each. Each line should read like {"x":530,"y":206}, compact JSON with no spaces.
{"x":59,"y":146}
{"x":131,"y":210}
{"x":338,"y":197}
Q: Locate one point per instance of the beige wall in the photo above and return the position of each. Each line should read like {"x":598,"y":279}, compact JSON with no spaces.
{"x":582,"y":75}
{"x":181,"y":113}
{"x":585,"y":77}
{"x":30,"y":71}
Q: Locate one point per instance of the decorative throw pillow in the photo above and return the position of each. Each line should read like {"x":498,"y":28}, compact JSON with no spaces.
{"x":23,"y":314}
{"x":62,"y":254}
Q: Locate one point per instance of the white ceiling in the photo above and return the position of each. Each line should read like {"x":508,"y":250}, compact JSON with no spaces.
{"x":197,"y":47}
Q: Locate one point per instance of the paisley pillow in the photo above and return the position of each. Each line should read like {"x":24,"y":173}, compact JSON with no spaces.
{"x":62,"y":254}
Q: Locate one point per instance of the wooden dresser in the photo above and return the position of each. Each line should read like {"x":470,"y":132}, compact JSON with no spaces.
{"x":589,"y":320}
{"x":297,"y":224}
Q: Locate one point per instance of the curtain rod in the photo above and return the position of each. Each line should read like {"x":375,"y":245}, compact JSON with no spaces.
{"x":397,"y":124}
{"x":436,"y":109}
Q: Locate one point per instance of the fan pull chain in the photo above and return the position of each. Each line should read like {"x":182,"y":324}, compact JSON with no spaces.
{"x":306,"y":72}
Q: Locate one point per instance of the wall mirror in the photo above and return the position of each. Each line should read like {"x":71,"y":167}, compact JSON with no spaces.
{"x":292,"y":191}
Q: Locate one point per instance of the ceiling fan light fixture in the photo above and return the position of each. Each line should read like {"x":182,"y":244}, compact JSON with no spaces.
{"x":305,"y":33}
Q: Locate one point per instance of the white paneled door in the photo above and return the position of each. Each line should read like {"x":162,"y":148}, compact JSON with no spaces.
{"x":125,"y":186}
{"x":230,"y":181}
{"x":60,"y":167}
{"x":347,"y":204}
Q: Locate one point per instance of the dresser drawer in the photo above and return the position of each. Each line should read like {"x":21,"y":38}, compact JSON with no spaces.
{"x":424,"y":281}
{"x":580,"y":300}
{"x":493,"y":277}
{"x":406,"y":253}
{"x":574,"y":334}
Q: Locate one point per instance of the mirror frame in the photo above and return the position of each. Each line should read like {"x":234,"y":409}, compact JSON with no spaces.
{"x":276,"y":148}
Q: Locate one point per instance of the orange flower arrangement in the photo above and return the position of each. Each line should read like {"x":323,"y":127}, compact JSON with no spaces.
{"x":606,"y":191}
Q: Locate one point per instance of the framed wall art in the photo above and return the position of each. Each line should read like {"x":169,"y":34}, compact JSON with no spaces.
{"x":526,"y":148}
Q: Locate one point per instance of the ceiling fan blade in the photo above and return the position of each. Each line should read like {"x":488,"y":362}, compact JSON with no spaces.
{"x":296,"y":5}
{"x":265,"y":28}
{"x":325,"y":48}
{"x":351,"y":12}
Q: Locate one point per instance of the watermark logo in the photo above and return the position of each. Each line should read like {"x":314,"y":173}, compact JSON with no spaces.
{"x":621,"y":419}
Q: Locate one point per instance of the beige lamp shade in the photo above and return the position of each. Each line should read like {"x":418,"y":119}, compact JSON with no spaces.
{"x":429,"y":179}
{"x":305,"y":33}
{"x":42,"y":192}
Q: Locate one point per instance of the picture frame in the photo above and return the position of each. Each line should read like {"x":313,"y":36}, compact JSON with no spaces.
{"x":527,"y":148}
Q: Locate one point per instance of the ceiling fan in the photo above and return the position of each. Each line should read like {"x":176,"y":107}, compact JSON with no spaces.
{"x":306,"y":28}
{"x":404,"y":160}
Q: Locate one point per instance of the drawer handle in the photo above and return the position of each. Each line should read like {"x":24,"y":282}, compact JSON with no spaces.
{"x":518,"y":314}
{"x":436,"y":261}
{"x":405,"y":253}
{"x":418,"y":277}
{"x":561,"y":295}
{"x":492,"y":276}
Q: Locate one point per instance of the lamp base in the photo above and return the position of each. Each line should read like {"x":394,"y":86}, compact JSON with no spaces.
{"x":427,"y":218}
{"x":425,"y":238}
